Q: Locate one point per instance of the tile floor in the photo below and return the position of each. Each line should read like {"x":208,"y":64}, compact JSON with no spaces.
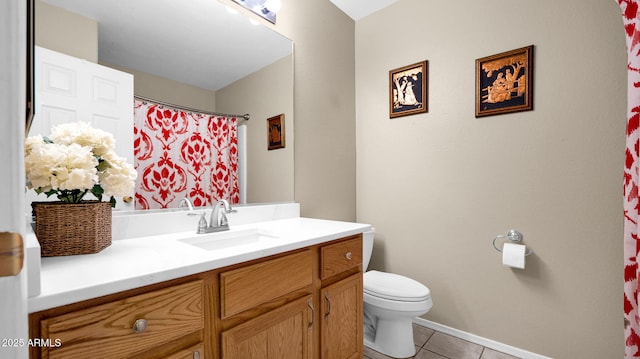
{"x":431,"y":344}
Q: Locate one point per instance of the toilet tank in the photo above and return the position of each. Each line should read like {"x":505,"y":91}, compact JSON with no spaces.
{"x":367,"y":247}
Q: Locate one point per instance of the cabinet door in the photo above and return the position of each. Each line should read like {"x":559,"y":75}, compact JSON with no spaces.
{"x":283,"y":333}
{"x":341,"y":323}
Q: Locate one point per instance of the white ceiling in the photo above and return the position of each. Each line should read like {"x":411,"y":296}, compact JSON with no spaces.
{"x":357,"y":9}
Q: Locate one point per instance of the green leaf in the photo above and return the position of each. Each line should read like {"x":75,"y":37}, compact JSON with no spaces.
{"x":102,"y":164}
{"x":113,"y":202}
{"x":97,"y":191}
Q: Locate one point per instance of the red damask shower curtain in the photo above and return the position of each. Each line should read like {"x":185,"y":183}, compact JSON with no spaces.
{"x":631,"y":21}
{"x":180,"y":154}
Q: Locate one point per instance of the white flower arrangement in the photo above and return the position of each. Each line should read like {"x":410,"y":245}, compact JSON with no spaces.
{"x":75,"y":160}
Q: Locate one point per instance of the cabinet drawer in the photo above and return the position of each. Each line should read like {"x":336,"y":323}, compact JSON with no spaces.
{"x":107,"y":330}
{"x":247,"y":287}
{"x":341,"y":256}
{"x":195,"y":352}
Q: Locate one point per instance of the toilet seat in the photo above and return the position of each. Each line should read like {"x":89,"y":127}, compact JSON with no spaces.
{"x":395,"y":287}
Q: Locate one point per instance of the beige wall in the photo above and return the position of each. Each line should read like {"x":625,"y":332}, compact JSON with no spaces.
{"x":263,"y":94}
{"x":324,"y":107}
{"x":63,"y":31}
{"x":439,"y":187}
{"x":170,"y":91}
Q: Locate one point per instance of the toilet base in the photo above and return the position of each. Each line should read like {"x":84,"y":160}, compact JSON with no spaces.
{"x":392,"y":337}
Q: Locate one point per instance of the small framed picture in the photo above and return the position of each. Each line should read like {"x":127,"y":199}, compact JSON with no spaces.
{"x":504,"y":82}
{"x":275,"y":132}
{"x":408,"y":90}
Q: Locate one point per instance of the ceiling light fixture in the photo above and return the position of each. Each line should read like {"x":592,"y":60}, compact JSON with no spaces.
{"x":265,"y":8}
{"x":273,"y":5}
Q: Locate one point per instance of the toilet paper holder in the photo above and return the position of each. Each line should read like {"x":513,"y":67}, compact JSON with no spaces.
{"x":514,"y":236}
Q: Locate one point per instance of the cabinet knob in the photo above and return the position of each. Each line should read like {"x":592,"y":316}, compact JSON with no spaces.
{"x":196,"y":355}
{"x":348,"y":255}
{"x":140,"y":325}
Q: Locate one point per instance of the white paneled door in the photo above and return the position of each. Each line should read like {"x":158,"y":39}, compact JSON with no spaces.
{"x":69,"y":89}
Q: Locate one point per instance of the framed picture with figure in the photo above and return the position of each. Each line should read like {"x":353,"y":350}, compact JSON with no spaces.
{"x":408,"y":90}
{"x":275,"y":132}
{"x":504,"y":82}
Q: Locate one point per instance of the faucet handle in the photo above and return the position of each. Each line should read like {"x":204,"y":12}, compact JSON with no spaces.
{"x":202,"y":224}
{"x":186,"y":201}
{"x":224,"y":221}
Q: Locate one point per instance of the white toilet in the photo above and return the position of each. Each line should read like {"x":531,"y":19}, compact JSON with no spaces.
{"x":391,"y":301}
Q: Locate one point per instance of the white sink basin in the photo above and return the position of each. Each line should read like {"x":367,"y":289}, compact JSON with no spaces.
{"x":227,"y":239}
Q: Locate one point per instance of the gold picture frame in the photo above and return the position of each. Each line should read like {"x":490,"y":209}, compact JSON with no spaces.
{"x":504,"y":82}
{"x":275,"y":132}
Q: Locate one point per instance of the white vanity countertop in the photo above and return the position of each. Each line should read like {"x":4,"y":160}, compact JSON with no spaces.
{"x":136,"y":262}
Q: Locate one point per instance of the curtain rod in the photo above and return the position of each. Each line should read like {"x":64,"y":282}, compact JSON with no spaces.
{"x":246,"y":116}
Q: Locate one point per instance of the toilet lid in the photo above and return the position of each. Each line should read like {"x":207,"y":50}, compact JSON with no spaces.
{"x":394,"y":287}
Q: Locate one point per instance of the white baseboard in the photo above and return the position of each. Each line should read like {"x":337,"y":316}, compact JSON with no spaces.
{"x":504,"y":348}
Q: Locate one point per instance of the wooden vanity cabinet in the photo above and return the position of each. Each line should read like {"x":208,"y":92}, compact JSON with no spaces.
{"x":303,"y":304}
{"x":307,"y":304}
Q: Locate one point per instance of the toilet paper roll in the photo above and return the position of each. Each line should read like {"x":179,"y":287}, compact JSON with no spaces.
{"x":513,"y":255}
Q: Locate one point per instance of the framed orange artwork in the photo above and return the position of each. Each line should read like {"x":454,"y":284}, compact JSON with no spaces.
{"x":275,"y":132}
{"x":504,"y":82}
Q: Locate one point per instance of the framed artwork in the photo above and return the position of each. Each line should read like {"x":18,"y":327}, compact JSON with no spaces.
{"x":504,"y":82}
{"x":408,"y":90}
{"x":275,"y":132}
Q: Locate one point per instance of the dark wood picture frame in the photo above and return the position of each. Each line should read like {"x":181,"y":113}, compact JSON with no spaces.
{"x":275,"y":132}
{"x":408,"y":93}
{"x":504,"y":82}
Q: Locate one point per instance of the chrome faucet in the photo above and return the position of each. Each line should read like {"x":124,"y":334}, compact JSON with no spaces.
{"x":218,"y":220}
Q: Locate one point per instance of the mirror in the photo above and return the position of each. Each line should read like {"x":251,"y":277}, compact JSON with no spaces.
{"x":194,"y":54}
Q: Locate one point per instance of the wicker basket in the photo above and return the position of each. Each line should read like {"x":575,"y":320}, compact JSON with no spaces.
{"x":65,"y":229}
